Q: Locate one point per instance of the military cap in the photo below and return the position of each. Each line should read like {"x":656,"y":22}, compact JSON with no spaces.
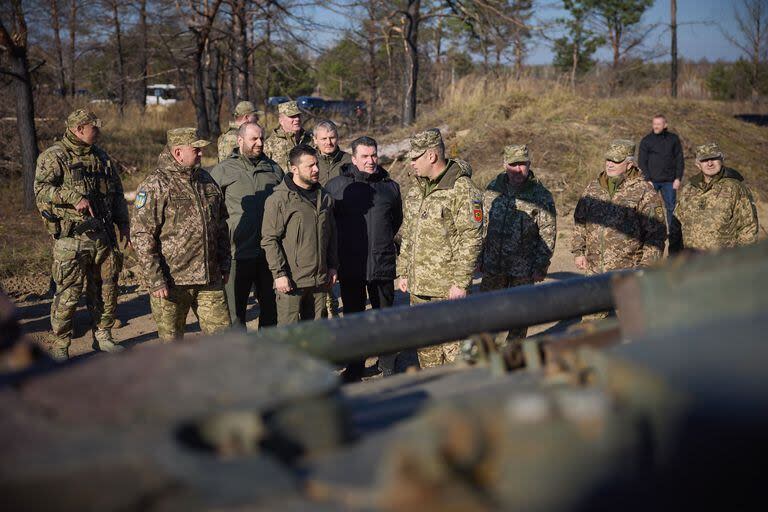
{"x":289,"y":108}
{"x":246,"y":107}
{"x":708,"y":151}
{"x":516,"y":153}
{"x":185,"y":137}
{"x":620,"y":150}
{"x":82,"y":116}
{"x":423,"y":141}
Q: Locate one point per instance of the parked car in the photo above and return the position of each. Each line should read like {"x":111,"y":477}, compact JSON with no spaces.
{"x":274,"y":101}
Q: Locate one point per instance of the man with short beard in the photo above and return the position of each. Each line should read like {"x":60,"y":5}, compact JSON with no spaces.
{"x":619,"y":220}
{"x":298,"y":236}
{"x":247,"y":177}
{"x":716,"y":209}
{"x":286,"y":136}
{"x":245,"y":112}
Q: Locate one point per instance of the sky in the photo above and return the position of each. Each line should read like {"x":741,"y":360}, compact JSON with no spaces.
{"x":701,"y":24}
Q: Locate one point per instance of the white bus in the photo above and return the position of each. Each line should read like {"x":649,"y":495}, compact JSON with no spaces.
{"x":162,"y":94}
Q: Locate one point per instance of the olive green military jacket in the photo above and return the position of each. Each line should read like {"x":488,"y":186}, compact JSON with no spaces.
{"x":69,"y":171}
{"x":442,"y":232}
{"x":520,"y":226}
{"x":279,"y":144}
{"x":246,"y":184}
{"x":625,"y":229}
{"x":717,"y":214}
{"x":299,"y":236}
{"x":179,"y":228}
{"x":330,"y":165}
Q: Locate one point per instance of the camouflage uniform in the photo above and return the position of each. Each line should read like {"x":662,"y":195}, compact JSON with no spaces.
{"x":280,"y":143}
{"x":85,"y":248}
{"x":442,"y":236}
{"x":182,"y":241}
{"x":717,"y":214}
{"x":228,"y":140}
{"x":521,"y":229}
{"x":620,"y":220}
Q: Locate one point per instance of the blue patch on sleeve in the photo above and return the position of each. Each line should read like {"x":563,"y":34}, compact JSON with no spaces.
{"x":141,"y":199}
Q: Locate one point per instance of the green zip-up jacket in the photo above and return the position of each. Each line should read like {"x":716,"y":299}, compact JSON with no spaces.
{"x":299,"y":236}
{"x":442,"y":232}
{"x":330,"y":165}
{"x":179,"y":228}
{"x":246,"y":184}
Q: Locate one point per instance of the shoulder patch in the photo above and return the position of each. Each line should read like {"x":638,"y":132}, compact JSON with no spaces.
{"x":141,"y":199}
{"x":477,"y":210}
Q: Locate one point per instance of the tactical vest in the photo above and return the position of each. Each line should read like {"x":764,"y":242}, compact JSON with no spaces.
{"x":93,"y":176}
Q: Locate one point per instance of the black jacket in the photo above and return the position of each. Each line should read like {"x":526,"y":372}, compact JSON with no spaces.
{"x":661,"y":157}
{"x":368,"y":210}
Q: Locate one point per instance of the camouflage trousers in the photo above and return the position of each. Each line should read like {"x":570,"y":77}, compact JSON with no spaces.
{"x":437,"y":355}
{"x":77,"y":261}
{"x":209,"y":303}
{"x":492,"y":282}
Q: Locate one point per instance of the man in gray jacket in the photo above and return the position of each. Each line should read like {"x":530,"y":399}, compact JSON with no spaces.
{"x":299,"y":239}
{"x":247,"y":177}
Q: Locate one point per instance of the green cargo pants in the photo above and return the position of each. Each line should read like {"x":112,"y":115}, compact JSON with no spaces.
{"x":436,"y":355}
{"x":301,"y":304}
{"x":77,"y":260}
{"x":209,"y":304}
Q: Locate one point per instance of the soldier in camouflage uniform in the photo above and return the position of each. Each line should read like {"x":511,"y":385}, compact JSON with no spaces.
{"x":715,"y":208}
{"x":442,"y":232}
{"x":181,"y":239}
{"x":619,"y":218}
{"x":286,"y":136}
{"x":245,"y":112}
{"x":520,"y":226}
{"x":79,"y":193}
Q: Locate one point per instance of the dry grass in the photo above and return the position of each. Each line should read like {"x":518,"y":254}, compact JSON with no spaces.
{"x":567,"y":133}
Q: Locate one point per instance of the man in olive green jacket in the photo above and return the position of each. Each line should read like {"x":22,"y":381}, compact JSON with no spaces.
{"x":247,"y":177}
{"x":299,"y":238}
{"x":330,"y":157}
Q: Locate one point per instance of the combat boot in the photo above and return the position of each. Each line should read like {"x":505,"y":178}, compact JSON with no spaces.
{"x":59,"y":352}
{"x":103,"y":342}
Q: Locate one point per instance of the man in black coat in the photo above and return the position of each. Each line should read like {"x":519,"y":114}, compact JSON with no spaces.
{"x":368,"y":211}
{"x":661,"y":160}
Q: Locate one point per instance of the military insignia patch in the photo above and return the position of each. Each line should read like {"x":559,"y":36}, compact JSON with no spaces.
{"x":141,"y":199}
{"x":477,"y":211}
{"x":660,"y":212}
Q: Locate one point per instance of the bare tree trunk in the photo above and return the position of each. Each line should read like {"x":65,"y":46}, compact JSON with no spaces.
{"x":673,"y":32}
{"x":56,"y":26}
{"x":574,"y":61}
{"x":15,"y":46}
{"x":120,"y":59}
{"x":201,"y":111}
{"x":144,"y":59}
{"x":72,"y":40}
{"x":373,"y":75}
{"x":519,"y":54}
{"x":411,"y":39}
{"x":212,"y":71}
{"x":240,"y":55}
